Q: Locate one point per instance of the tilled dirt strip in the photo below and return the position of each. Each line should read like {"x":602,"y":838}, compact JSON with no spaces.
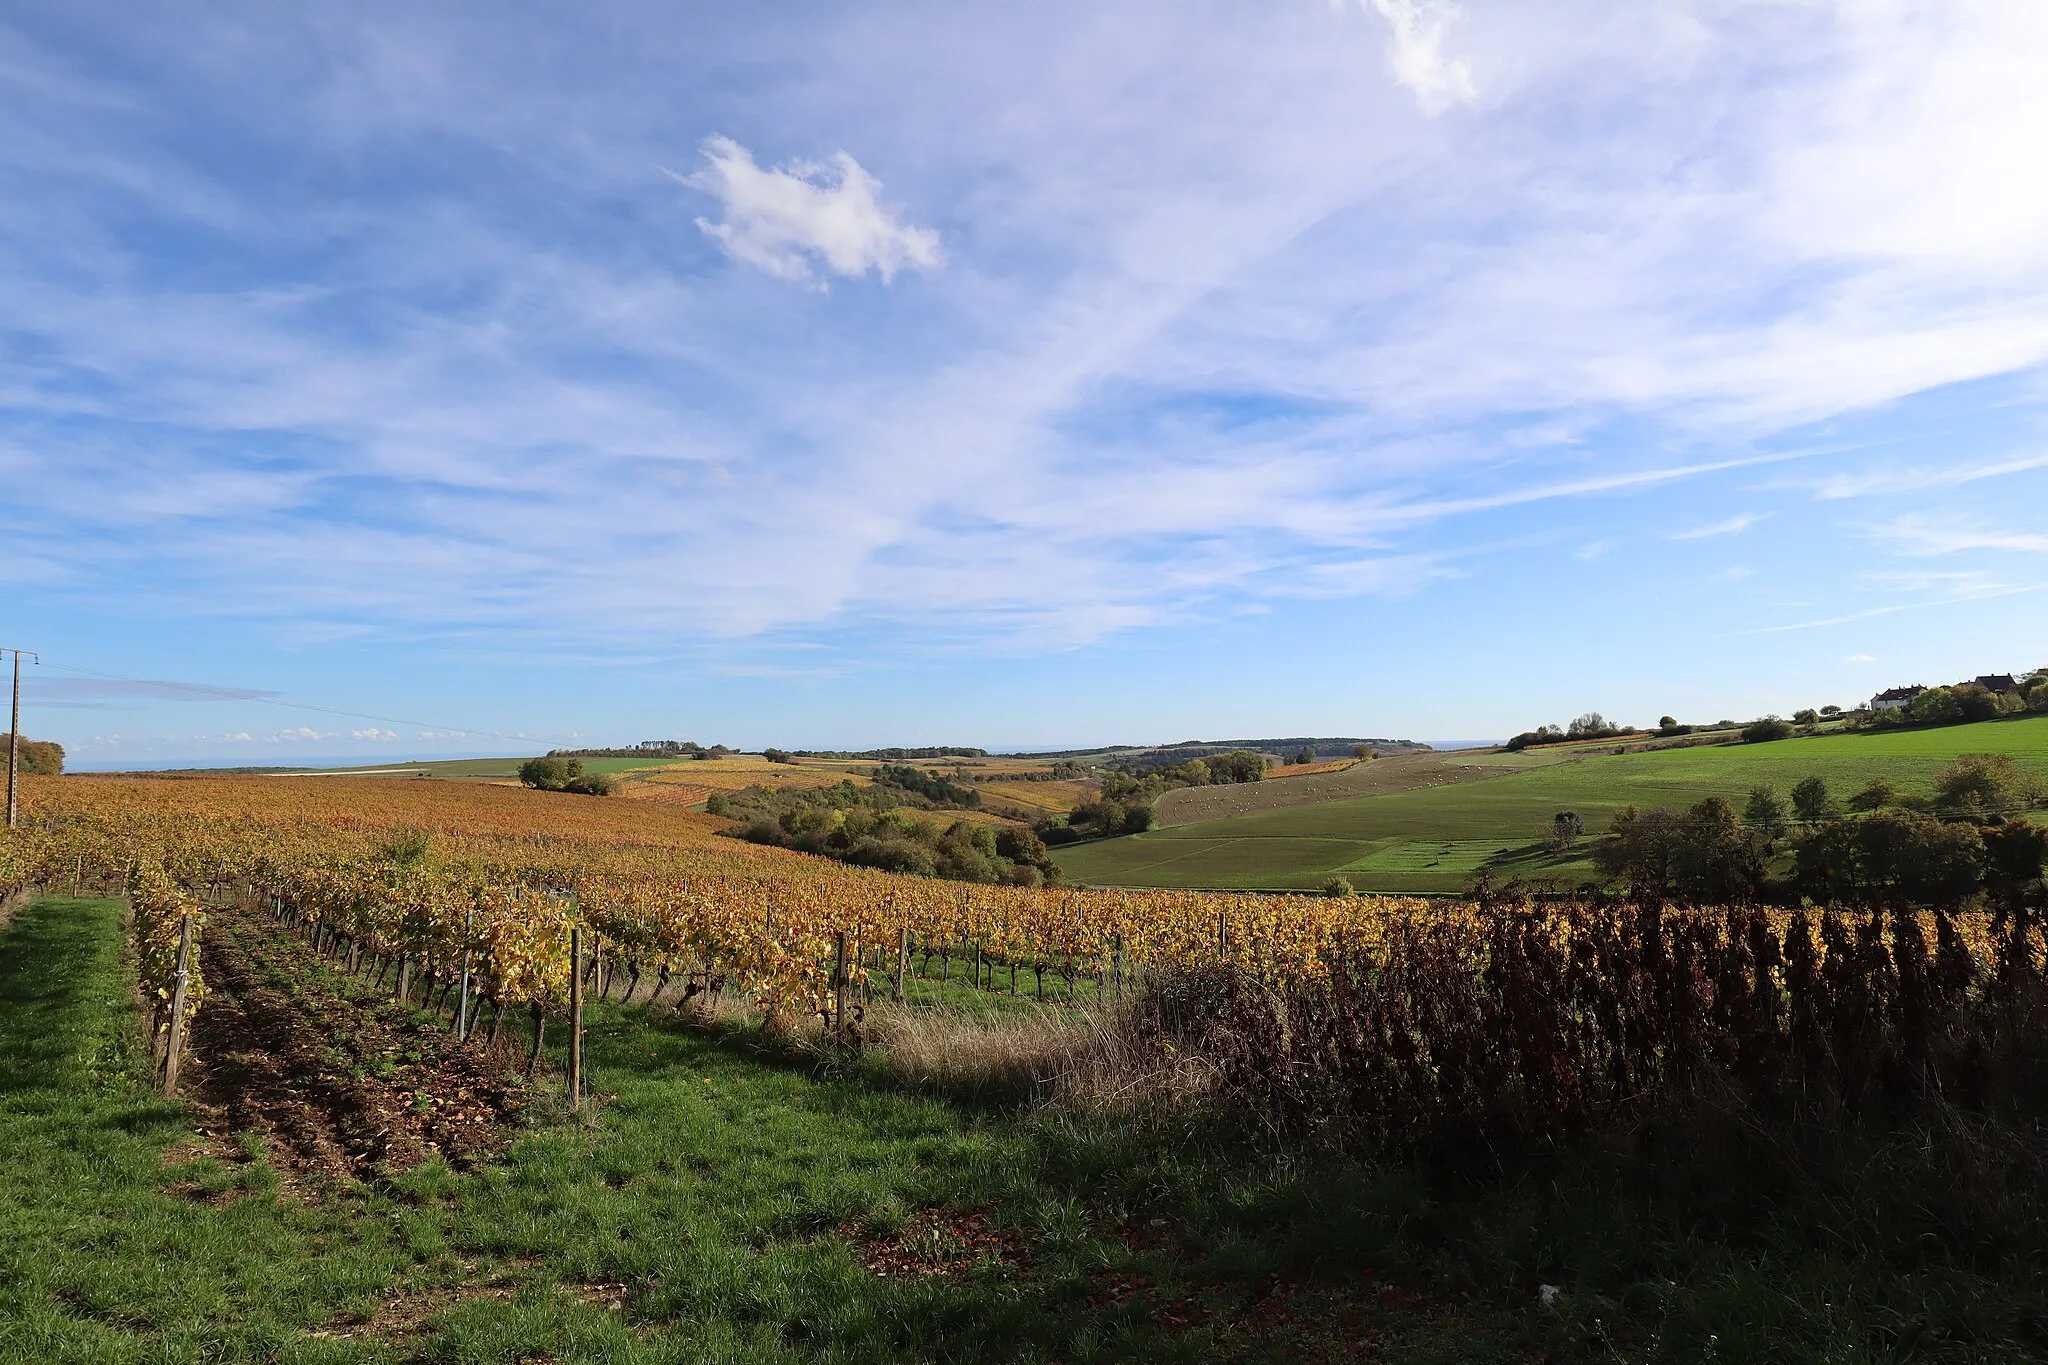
{"x":339,"y":1079}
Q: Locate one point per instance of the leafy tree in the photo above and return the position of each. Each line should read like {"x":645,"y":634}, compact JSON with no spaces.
{"x":2014,"y":857}
{"x":1806,"y":716}
{"x":1305,"y":756}
{"x":1565,"y":828}
{"x":716,"y":804}
{"x":1810,"y":798}
{"x":1337,"y":887}
{"x":1105,"y":815}
{"x":1831,"y":711}
{"x":1701,"y":857}
{"x":42,"y":756}
{"x":1667,"y":722}
{"x":591,"y":784}
{"x":938,"y":790}
{"x":1542,"y":734}
{"x":1137,"y":819}
{"x":1362,"y":751}
{"x":1765,"y":811}
{"x":1985,"y":783}
{"x":1891,"y":857}
{"x":778,"y":756}
{"x":1021,"y":846}
{"x":1765,"y":730}
{"x":1239,"y":765}
{"x":550,"y":774}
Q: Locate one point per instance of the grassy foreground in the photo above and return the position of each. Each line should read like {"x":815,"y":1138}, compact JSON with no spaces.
{"x":1438,"y":838}
{"x":731,"y":1202}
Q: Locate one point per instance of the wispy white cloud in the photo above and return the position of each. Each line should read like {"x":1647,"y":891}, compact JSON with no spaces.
{"x":1416,"y":52}
{"x":782,"y":220}
{"x":373,"y":734}
{"x":1860,"y":658}
{"x":1920,"y":480}
{"x":1734,"y":525}
{"x":1927,"y":535}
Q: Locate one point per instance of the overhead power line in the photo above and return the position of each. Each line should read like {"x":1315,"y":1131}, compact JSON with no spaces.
{"x":211,"y":693}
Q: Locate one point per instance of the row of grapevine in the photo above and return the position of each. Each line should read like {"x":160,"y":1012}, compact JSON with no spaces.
{"x":165,"y":920}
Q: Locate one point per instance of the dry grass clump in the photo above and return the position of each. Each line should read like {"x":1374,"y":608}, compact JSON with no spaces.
{"x":1104,"y":1058}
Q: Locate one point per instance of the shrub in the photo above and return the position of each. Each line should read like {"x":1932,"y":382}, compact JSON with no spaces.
{"x":592,"y":784}
{"x":404,"y":846}
{"x":1766,"y":729}
{"x":1137,"y":819}
{"x":1806,"y":716}
{"x":1874,"y":795}
{"x":716,"y":804}
{"x":1337,"y":886}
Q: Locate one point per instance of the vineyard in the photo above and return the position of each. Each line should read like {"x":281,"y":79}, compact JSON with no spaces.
{"x":495,"y":902}
{"x":495,"y":880}
{"x":1736,"y":1112}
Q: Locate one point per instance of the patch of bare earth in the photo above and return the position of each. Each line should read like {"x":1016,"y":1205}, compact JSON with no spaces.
{"x":338,"y":1080}
{"x":938,"y":1243}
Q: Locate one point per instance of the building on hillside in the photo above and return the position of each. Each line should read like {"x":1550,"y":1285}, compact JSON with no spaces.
{"x":1895,"y":698}
{"x":2001,"y":683}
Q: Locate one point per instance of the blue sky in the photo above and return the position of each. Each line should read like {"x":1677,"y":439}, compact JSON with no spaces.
{"x":1026,"y":375}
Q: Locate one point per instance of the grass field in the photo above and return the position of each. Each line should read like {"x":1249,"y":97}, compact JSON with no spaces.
{"x":1439,"y":837}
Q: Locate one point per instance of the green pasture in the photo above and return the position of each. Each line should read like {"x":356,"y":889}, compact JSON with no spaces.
{"x":1439,"y":838}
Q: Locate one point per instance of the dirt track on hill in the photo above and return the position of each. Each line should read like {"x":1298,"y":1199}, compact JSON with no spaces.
{"x":1404,"y":772}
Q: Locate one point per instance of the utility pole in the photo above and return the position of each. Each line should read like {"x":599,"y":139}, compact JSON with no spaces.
{"x":14,"y":746}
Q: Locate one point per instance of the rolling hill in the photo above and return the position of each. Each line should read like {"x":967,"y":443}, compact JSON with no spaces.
{"x":1458,"y":813}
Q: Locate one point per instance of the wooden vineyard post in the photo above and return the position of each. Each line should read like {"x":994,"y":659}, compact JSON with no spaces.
{"x":902,"y":963}
{"x":182,"y":980}
{"x":576,"y":1017}
{"x":839,"y":986}
{"x":462,"y":1000}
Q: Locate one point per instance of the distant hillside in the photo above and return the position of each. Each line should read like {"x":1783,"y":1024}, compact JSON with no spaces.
{"x":1326,"y":747}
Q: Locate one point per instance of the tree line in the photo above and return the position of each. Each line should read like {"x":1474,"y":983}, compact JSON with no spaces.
{"x":1880,"y":847}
